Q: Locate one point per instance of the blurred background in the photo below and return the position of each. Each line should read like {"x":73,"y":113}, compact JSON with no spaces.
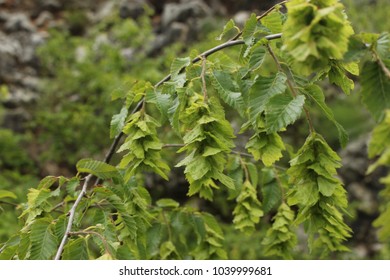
{"x":60,"y":60}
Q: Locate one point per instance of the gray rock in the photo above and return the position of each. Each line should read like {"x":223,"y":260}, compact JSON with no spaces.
{"x":81,"y":53}
{"x":132,"y":8}
{"x":30,"y":83}
{"x":15,"y":119}
{"x":180,"y":12}
{"x":19,"y":22}
{"x":175,"y":32}
{"x":128,"y":53}
{"x":3,"y":16}
{"x":52,"y":5}
{"x":10,"y":49}
{"x":218,"y":8}
{"x":100,"y":40}
{"x":241,"y":17}
{"x":368,"y":202}
{"x":19,"y":96}
{"x":44,"y":18}
{"x":106,"y":9}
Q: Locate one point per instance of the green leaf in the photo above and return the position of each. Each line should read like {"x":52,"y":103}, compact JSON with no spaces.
{"x":37,"y":199}
{"x":227,"y":91}
{"x":14,"y":246}
{"x":383,"y":222}
{"x":167,"y":203}
{"x":130,"y":224}
{"x":315,"y":93}
{"x":272,"y":195}
{"x":375,"y":89}
{"x":162,"y":101}
{"x":262,"y":90}
{"x":137,"y":92}
{"x":72,"y":185}
{"x":356,"y":49}
{"x":47,"y":182}
{"x":212,"y":225}
{"x":253,"y":173}
{"x":225,"y":180}
{"x":5,"y":194}
{"x":118,"y":122}
{"x":43,"y":242}
{"x":167,"y":249}
{"x":380,"y":138}
{"x":267,"y":147}
{"x":257,"y":56}
{"x":282,"y":110}
{"x":273,"y":21}
{"x":97,"y":168}
{"x":249,"y":30}
{"x":121,"y":91}
{"x":177,"y":65}
{"x":224,"y":61}
{"x":325,"y":186}
{"x":76,"y":249}
{"x":229,"y":26}
{"x":60,"y":227}
{"x":338,"y":76}
{"x":383,"y":46}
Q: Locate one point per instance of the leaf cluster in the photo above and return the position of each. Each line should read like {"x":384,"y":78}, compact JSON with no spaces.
{"x":319,"y":194}
{"x":315,"y":32}
{"x":207,"y":141}
{"x":248,"y":210}
{"x":143,"y":147}
{"x":280,"y":238}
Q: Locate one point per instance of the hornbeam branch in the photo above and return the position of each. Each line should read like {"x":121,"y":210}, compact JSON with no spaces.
{"x":168,"y":77}
{"x":71,"y":214}
{"x":117,"y":139}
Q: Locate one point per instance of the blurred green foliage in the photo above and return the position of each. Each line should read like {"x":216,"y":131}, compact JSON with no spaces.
{"x":74,"y":110}
{"x":368,"y":15}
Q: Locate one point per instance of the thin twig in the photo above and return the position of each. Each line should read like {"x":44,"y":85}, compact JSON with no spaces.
{"x":72,"y":213}
{"x":168,"y":225}
{"x":203,"y":77}
{"x":8,"y":203}
{"x":382,"y":65}
{"x":245,"y":169}
{"x":217,"y":49}
{"x":173,"y":145}
{"x":266,"y":13}
{"x":291,"y":87}
{"x":62,"y":203}
{"x":242,"y":154}
{"x":176,"y":145}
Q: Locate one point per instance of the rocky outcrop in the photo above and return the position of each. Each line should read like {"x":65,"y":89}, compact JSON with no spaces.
{"x":19,"y":38}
